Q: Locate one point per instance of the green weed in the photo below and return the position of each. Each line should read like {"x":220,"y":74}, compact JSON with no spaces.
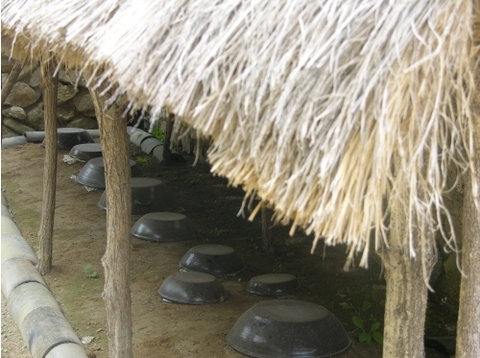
{"x":143,"y":161}
{"x":367,"y":334}
{"x":159,"y":134}
{"x":217,"y":232}
{"x":192,"y":181}
{"x":362,"y":315}
{"x":222,"y":279}
{"x":90,"y":272}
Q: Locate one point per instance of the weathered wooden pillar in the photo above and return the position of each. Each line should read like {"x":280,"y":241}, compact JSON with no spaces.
{"x":406,"y":277}
{"x":167,"y":151}
{"x":116,"y":260}
{"x":45,"y":233}
{"x":266,"y":229}
{"x":468,"y":325}
{"x":12,"y":78}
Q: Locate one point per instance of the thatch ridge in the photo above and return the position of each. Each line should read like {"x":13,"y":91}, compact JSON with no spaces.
{"x":308,"y":103}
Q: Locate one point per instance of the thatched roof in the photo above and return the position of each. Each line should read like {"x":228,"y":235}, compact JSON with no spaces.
{"x":308,"y":103}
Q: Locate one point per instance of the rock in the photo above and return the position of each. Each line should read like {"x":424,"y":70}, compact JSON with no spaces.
{"x":83,"y":122}
{"x":7,"y":132}
{"x":83,"y":101}
{"x":65,"y":93}
{"x":71,"y":78}
{"x":4,"y":79}
{"x":36,"y":78}
{"x":7,"y":64}
{"x":15,"y":112}
{"x":87,"y":339}
{"x":26,"y":73}
{"x":39,"y":93}
{"x":16,"y":126}
{"x":22,"y":95}
{"x":90,"y":114}
{"x":65,"y":114}
{"x":36,"y":118}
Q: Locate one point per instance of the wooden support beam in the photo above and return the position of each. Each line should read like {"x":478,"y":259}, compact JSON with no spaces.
{"x":11,"y":80}
{"x":116,"y":260}
{"x":45,"y":233}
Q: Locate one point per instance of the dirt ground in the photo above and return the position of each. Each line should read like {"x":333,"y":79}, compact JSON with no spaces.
{"x":168,"y":329}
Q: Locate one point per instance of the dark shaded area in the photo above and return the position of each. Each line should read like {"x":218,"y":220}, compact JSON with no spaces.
{"x":209,"y":200}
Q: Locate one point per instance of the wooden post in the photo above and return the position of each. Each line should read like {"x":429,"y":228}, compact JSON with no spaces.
{"x":468,"y":325}
{"x":167,"y":151}
{"x":406,"y":301}
{"x":116,"y":260}
{"x":45,"y":232}
{"x":266,"y":230}
{"x":12,"y":78}
{"x":406,"y":295}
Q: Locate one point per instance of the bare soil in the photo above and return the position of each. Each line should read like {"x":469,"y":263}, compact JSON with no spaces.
{"x":162,"y":329}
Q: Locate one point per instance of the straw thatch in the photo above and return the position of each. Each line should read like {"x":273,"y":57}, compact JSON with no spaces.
{"x":307,"y":103}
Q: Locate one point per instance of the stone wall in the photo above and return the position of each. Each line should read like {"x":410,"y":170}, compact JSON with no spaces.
{"x":23,"y":108}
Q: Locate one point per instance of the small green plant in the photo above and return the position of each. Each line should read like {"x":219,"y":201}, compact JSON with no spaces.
{"x":159,"y":134}
{"x":217,"y":232}
{"x":254,"y":243}
{"x":362,"y":316}
{"x":192,"y":181}
{"x":143,"y":161}
{"x":367,"y":334}
{"x":90,"y":272}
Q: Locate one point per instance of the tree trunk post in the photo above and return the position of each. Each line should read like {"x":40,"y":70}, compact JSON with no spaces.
{"x":167,"y":151}
{"x":12,"y":78}
{"x":266,"y":230}
{"x":45,"y":232}
{"x":406,"y":295}
{"x":116,"y":260}
{"x":468,"y":324}
{"x":405,"y":306}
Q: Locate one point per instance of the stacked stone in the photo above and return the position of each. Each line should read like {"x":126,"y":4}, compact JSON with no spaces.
{"x":23,"y":108}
